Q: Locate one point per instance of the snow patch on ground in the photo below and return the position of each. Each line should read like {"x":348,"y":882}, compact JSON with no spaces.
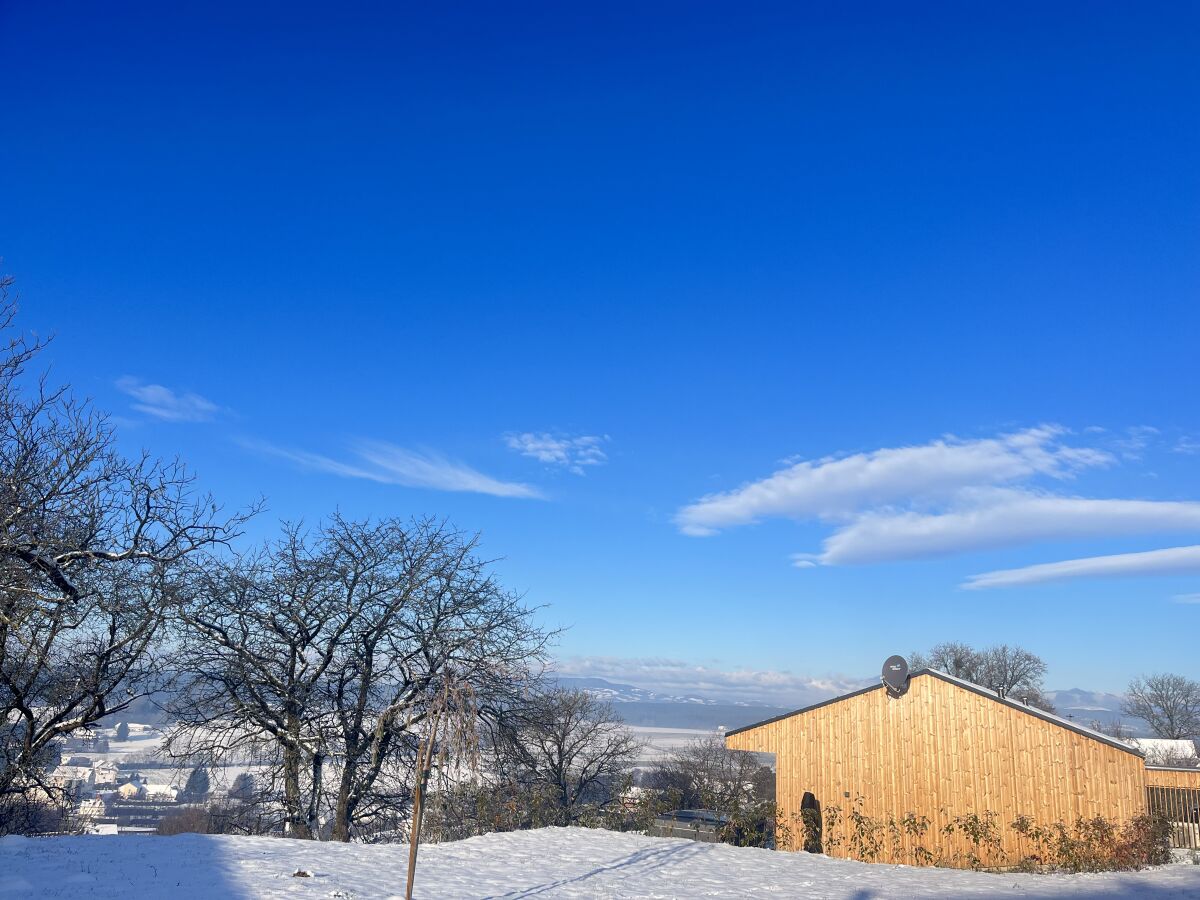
{"x":547,"y":863}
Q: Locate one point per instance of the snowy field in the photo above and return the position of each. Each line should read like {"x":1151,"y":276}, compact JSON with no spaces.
{"x":548,"y":863}
{"x":144,"y":742}
{"x":661,"y":742}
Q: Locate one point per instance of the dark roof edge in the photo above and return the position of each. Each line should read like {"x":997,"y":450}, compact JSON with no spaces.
{"x":967,"y":685}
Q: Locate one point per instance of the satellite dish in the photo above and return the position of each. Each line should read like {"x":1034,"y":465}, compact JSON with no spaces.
{"x":895,"y":675}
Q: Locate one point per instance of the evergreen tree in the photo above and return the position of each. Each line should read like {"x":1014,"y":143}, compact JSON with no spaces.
{"x":243,"y":787}
{"x":122,"y":731}
{"x":197,"y":786}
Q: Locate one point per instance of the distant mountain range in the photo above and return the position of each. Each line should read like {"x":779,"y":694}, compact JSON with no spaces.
{"x":627,"y":693}
{"x":1086,"y":707}
{"x":646,"y":708}
{"x":1077,"y":699}
{"x":642,"y":707}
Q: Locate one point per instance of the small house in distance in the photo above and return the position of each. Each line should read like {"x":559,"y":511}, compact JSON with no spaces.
{"x":1179,"y":754}
{"x":938,"y":748}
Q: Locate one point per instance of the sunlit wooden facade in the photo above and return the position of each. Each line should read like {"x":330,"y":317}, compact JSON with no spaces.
{"x":944,"y":748}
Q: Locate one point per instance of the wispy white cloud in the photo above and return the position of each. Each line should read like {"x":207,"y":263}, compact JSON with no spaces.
{"x":840,"y":487}
{"x":1135,"y":440}
{"x":161,"y":402}
{"x":571,"y":452}
{"x":1000,"y":518}
{"x":1186,"y":598}
{"x":672,"y":676}
{"x":954,"y":496}
{"x":1171,"y":561}
{"x":1187,"y":444}
{"x":390,"y":464}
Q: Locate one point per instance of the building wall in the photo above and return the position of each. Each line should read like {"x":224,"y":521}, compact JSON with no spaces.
{"x":1175,"y":794}
{"x":942,"y":751}
{"x":1173,"y":778}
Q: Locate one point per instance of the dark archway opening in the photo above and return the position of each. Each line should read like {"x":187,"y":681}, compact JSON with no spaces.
{"x":810,"y":815}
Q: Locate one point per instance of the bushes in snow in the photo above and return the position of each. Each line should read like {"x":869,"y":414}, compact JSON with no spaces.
{"x":974,"y":840}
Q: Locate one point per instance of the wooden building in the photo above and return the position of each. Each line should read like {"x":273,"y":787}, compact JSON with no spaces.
{"x":1174,"y":792}
{"x":940,"y":751}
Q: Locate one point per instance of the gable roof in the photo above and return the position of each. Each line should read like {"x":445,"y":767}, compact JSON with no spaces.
{"x":966,"y":685}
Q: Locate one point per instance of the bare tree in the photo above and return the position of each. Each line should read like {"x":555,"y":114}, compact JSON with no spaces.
{"x":249,"y":672}
{"x":705,"y":774}
{"x":1015,"y":672}
{"x":952,"y":657}
{"x":1009,"y":671}
{"x":1114,"y":729}
{"x":1169,"y":704}
{"x":90,"y":543}
{"x":572,"y":745}
{"x":708,"y":775}
{"x":321,"y":654}
{"x":1173,"y":757}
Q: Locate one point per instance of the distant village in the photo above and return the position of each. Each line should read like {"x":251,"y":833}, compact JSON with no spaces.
{"x":114,"y":783}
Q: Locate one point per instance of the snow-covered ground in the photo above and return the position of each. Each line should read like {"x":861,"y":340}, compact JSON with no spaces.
{"x":660,"y":742}
{"x":548,"y":863}
{"x":146,"y":740}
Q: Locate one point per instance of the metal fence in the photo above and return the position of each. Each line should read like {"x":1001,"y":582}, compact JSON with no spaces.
{"x":693,"y":824}
{"x":1180,"y":807}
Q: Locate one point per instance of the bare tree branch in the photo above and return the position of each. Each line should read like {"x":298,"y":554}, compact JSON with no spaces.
{"x":90,"y":546}
{"x":1169,"y":704}
{"x":331,"y":646}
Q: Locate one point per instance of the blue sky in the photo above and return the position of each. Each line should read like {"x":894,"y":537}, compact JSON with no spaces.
{"x":749,"y":336}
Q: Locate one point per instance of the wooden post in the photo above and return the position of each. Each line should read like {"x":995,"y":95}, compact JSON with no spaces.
{"x":424,"y":763}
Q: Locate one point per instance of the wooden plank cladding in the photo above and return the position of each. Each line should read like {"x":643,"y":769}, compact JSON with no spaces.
{"x":1174,"y":794}
{"x":943,"y":749}
{"x":1162,"y":776}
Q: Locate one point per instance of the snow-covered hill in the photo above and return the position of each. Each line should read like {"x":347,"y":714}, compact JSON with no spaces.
{"x":1082,"y":701}
{"x":1087,"y":707}
{"x":627,"y":693}
{"x":643,"y":707}
{"x":548,"y":863}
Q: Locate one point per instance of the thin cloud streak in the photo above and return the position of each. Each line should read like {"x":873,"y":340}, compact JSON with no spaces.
{"x":388,"y":463}
{"x":838,"y":488}
{"x":162,"y":403}
{"x":1001,"y":519}
{"x":1170,"y":561}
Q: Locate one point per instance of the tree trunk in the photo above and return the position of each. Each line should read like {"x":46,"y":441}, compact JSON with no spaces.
{"x":295,"y":824}
{"x":564,"y":813}
{"x":311,"y":818}
{"x":344,"y":807}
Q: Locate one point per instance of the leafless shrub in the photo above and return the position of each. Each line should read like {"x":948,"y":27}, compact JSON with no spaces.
{"x":705,"y":774}
{"x":567,"y":750}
